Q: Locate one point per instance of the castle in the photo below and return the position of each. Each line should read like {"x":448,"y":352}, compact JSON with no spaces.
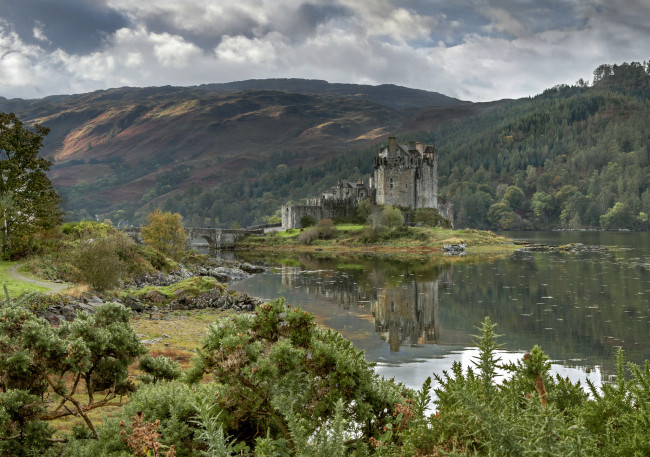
{"x":404,"y":175}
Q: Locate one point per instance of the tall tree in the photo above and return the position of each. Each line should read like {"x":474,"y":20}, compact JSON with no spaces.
{"x":164,"y":232}
{"x":28,"y":202}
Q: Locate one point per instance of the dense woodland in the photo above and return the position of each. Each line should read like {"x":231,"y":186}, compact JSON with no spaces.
{"x":574,"y":156}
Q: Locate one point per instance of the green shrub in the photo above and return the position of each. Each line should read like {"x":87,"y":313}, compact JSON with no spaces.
{"x":158,"y":260}
{"x":37,"y":301}
{"x":94,"y":352}
{"x":619,"y":414}
{"x":429,"y":217}
{"x":371,"y":235}
{"x":98,"y":264}
{"x":308,"y":236}
{"x":274,"y":365}
{"x":307,"y":221}
{"x":393,"y":216}
{"x":326,"y":229}
{"x":91,"y":229}
{"x":170,"y":402}
{"x":157,"y":369}
{"x":69,"y":228}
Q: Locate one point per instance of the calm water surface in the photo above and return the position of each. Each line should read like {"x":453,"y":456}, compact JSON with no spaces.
{"x":418,"y":317}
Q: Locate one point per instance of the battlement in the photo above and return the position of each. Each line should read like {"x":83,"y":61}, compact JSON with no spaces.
{"x":404,"y":175}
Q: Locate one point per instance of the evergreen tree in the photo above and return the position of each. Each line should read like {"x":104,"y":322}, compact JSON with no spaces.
{"x":28,"y":202}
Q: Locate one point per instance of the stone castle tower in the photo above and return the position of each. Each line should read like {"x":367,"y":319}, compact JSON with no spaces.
{"x":406,"y":175}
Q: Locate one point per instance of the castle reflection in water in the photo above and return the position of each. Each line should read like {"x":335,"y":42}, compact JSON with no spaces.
{"x":404,"y":307}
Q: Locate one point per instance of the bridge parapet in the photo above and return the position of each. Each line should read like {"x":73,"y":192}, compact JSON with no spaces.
{"x":217,"y":238}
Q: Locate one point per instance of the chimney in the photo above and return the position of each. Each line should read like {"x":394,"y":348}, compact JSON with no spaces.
{"x":392,"y":145}
{"x":420,"y":147}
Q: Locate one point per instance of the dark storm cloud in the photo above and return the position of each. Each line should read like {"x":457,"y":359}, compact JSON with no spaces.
{"x":300,"y":22}
{"x":76,"y":26}
{"x":234,"y":22}
{"x":466,"y":17}
{"x":311,"y":15}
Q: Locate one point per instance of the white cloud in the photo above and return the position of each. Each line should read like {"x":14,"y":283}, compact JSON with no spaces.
{"x":173,"y":50}
{"x":133,"y":59}
{"x":495,"y":55}
{"x":253,"y":51}
{"x":39,"y":34}
{"x":16,"y":61}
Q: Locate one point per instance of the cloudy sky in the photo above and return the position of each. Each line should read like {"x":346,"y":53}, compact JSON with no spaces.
{"x":475,"y":50}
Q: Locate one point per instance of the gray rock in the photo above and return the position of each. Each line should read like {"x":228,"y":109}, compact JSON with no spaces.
{"x":94,"y":301}
{"x":69,"y":313}
{"x":454,"y":249}
{"x":88,"y":308}
{"x":250,"y":268}
{"x":153,"y":341}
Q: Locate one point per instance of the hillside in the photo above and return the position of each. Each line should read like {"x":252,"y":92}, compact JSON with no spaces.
{"x":117,"y":152}
{"x":573,"y":157}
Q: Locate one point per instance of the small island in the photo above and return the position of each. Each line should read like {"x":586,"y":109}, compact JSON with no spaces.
{"x":400,"y":240}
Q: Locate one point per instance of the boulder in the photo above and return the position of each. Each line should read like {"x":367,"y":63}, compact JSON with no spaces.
{"x":250,"y":268}
{"x":454,"y":249}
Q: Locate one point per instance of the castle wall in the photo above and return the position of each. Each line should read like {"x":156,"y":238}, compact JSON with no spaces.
{"x":395,"y":184}
{"x":291,"y":214}
{"x":427,"y":185}
{"x":328,"y":208}
{"x":339,"y":207}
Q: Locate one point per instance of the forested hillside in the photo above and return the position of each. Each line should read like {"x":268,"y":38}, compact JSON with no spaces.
{"x":232,"y":154}
{"x":574,"y":156}
{"x":120,"y":152}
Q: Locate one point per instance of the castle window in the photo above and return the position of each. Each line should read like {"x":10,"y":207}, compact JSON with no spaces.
{"x":390,"y":183}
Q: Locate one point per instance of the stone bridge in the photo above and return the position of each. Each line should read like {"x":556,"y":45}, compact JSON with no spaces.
{"x":216,"y":238}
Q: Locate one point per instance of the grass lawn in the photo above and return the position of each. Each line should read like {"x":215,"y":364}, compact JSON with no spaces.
{"x":288,"y":233}
{"x":349,"y":227}
{"x":15,"y":286}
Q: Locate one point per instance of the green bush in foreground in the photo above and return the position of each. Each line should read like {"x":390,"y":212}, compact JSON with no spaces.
{"x":280,"y":375}
{"x":43,"y":370}
{"x":271,"y":383}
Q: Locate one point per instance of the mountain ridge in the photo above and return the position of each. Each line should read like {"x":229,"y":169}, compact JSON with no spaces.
{"x":113,"y":148}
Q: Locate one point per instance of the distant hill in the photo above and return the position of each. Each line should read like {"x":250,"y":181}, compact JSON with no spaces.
{"x":390,"y":95}
{"x":574,"y":156}
{"x":117,"y":152}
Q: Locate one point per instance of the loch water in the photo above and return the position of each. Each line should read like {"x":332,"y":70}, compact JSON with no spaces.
{"x":414,"y":318}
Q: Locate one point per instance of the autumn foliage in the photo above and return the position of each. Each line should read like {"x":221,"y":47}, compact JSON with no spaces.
{"x":164,"y":232}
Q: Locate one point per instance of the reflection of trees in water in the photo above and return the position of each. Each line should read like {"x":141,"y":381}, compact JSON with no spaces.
{"x":405,"y":308}
{"x":575,"y":306}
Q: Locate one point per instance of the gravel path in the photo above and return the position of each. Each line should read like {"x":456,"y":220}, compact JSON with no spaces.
{"x":13,"y":273}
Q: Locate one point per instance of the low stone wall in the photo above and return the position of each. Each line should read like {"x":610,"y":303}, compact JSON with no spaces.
{"x":329,"y":208}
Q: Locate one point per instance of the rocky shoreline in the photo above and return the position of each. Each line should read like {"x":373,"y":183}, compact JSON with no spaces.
{"x":572,"y":248}
{"x":223,"y":271}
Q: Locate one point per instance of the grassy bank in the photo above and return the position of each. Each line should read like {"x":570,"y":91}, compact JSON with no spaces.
{"x":15,"y":285}
{"x":403,"y":240}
